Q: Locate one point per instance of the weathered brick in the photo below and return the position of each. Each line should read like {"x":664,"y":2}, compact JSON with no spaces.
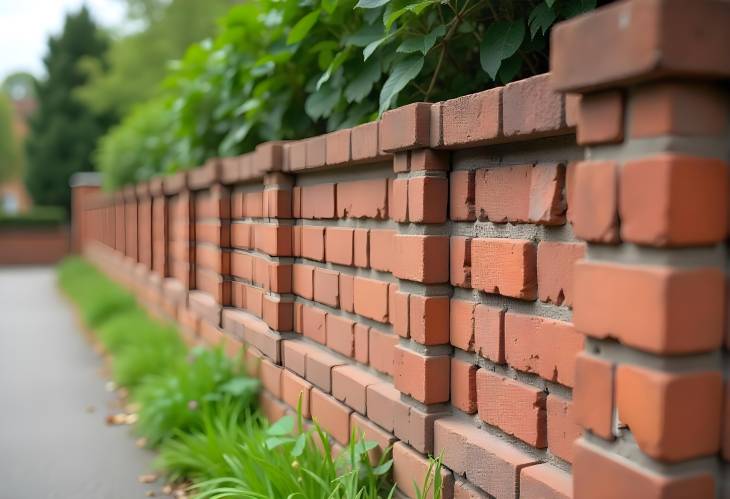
{"x":411,"y":469}
{"x":327,"y":287}
{"x":349,"y":385}
{"x":462,"y":195}
{"x":544,"y":481}
{"x":593,"y":394}
{"x":363,"y":199}
{"x":425,"y":378}
{"x":429,"y":319}
{"x":472,"y":119}
{"x":333,"y":416}
{"x":601,"y":118}
{"x":562,"y":429}
{"x":461,"y":324}
{"x":593,"y":198}
{"x":428,"y":198}
{"x":460,"y":261}
{"x":339,"y":245}
{"x":463,"y":385}
{"x":295,"y":390}
{"x":381,"y":249}
{"x":406,"y":127}
{"x":314,"y":323}
{"x":555,"y":270}
{"x":371,"y":298}
{"x":505,"y":266}
{"x":422,"y":258}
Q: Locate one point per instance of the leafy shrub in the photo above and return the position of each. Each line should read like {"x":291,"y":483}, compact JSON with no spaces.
{"x":228,"y":458}
{"x":38,"y":216}
{"x":175,"y":401}
{"x":288,"y":69}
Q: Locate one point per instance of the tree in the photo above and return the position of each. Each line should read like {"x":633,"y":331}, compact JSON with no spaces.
{"x":64,"y":131}
{"x":11,"y":158}
{"x":137,"y":62}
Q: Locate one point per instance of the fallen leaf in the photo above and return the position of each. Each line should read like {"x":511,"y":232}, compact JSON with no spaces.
{"x":167,"y":489}
{"x":116,"y":419}
{"x":131,"y":418}
{"x":147,"y":478}
{"x":110,"y":386}
{"x":141,"y":443}
{"x":150,"y":493}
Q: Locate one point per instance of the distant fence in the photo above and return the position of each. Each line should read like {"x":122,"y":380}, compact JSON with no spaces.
{"x":33,"y":245}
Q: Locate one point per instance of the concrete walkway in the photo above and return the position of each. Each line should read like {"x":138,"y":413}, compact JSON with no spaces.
{"x":54,"y":442}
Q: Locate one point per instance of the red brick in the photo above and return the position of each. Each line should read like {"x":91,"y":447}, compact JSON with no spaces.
{"x":280,"y":277}
{"x":371,"y":298}
{"x":270,"y":375}
{"x":593,"y":198}
{"x":399,"y":203}
{"x":429,"y":160}
{"x":399,"y":313}
{"x":651,"y":308}
{"x":297,"y":155}
{"x":349,"y":385}
{"x":294,"y":389}
{"x":601,"y":118}
{"x":382,"y":345}
{"x":543,"y":346}
{"x":593,"y":395}
{"x":427,"y":199}
{"x":462,"y":195}
{"x":461,"y":324}
{"x":532,"y":108}
{"x":318,"y":201}
{"x":341,"y":335}
{"x":253,"y":204}
{"x":313,"y":243}
{"x":544,"y":481}
{"x":279,"y":203}
{"x":505,"y":266}
{"x":347,"y":293}
{"x":364,"y":142}
{"x":319,"y":368}
{"x":555,"y":271}
{"x":278,"y":314}
{"x":503,"y":193}
{"x":338,"y":245}
{"x":562,"y":429}
{"x":362,"y":248}
{"x":472,"y":119}
{"x":415,"y":427}
{"x":274,"y":240}
{"x":460,"y":261}
{"x":303,"y":280}
{"x":726,"y":426}
{"x":401,"y":162}
{"x":294,"y":356}
{"x":332,"y":416}
{"x":316,"y":151}
{"x":338,"y":147}
{"x":516,"y":408}
{"x":327,"y":287}
{"x":314,"y":324}
{"x":429,"y":319}
{"x":381,"y":249}
{"x":425,"y":378}
{"x":411,"y":472}
{"x":296,"y":236}
{"x":271,"y":408}
{"x":296,"y":197}
{"x":422,"y":258}
{"x":406,"y":127}
{"x":298,"y":318}
{"x":678,"y":108}
{"x":602,"y":475}
{"x":365,"y":430}
{"x":463,"y":385}
{"x":486,"y":460}
{"x":242,"y":265}
{"x":255,"y":300}
{"x":382,"y":399}
{"x":673,"y":417}
{"x":363,"y":199}
{"x":672,"y":200}
{"x":362,"y":340}
{"x":547,"y":206}
{"x":463,"y":490}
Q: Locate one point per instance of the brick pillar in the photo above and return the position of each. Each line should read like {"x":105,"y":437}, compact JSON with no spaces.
{"x":84,"y":187}
{"x":651,"y":199}
{"x":159,"y":228}
{"x":420,"y":305}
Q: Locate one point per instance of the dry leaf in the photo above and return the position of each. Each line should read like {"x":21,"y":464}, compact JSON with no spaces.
{"x":147,"y":478}
{"x":167,"y":489}
{"x":110,"y":386}
{"x":131,"y":419}
{"x":141,"y":442}
{"x":116,"y":419}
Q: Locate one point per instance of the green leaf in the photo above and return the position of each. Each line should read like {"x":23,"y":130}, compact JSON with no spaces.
{"x":416,"y":8}
{"x":383,"y":468}
{"x":402,"y":73}
{"x":422,"y":43}
{"x":322,"y":102}
{"x":284,"y":426}
{"x":334,"y":65}
{"x":371,"y":4}
{"x":550,"y":3}
{"x":501,"y":40}
{"x":234,"y":137}
{"x":365,"y":35}
{"x":360,"y":86}
{"x":240,"y":386}
{"x":509,"y":69}
{"x":541,"y":18}
{"x":274,"y":442}
{"x":299,"y":445}
{"x":572,"y":8}
{"x":329,"y":6}
{"x":302,"y":27}
{"x":368,"y":51}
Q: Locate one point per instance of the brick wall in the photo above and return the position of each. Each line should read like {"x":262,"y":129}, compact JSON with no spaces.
{"x":528,"y":281}
{"x":33,"y":245}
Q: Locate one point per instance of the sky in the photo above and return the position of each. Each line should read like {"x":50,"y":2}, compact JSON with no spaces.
{"x":25,"y":26}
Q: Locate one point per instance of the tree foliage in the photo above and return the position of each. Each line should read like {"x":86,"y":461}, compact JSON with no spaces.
{"x":63,"y":131}
{"x":287,"y":69}
{"x":11,"y":156}
{"x":136,"y":62}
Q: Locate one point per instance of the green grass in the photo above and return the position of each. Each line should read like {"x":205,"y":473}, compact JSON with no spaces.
{"x":198,"y":407}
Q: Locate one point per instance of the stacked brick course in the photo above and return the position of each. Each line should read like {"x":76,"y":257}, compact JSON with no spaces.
{"x":486,"y":278}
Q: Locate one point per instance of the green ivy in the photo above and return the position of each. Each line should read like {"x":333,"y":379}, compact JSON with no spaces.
{"x":288,"y":69}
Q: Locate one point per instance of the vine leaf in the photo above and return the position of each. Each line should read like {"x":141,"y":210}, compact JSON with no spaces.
{"x":371,"y":4}
{"x":541,"y":18}
{"x":402,"y":73}
{"x":500,"y":42}
{"x":368,"y":51}
{"x":322,"y":102}
{"x":302,"y":27}
{"x":422,"y":43}
{"x":361,"y":85}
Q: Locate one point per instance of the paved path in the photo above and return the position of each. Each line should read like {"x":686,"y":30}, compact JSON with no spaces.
{"x":51,"y":444}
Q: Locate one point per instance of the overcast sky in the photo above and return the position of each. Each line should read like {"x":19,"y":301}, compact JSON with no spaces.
{"x":25,"y":26}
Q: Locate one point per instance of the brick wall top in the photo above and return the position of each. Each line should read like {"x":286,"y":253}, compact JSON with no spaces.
{"x":638,"y":40}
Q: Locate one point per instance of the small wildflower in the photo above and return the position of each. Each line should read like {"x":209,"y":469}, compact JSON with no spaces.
{"x":193,"y":405}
